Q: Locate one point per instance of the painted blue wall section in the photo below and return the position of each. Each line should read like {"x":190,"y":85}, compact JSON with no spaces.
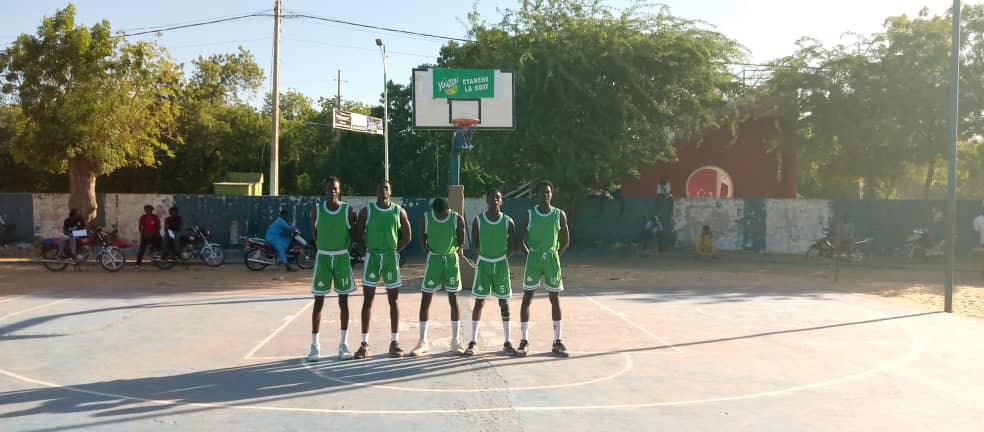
{"x":18,"y":209}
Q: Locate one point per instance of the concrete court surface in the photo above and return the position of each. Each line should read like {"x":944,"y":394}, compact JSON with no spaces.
{"x":653,"y":348}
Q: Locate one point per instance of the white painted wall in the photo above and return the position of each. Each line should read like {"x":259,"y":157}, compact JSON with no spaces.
{"x":791,"y":226}
{"x":723,"y":216}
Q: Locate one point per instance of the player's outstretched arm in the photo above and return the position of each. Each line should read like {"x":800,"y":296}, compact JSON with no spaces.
{"x":511,"y":242}
{"x":423,"y":233}
{"x":474,"y":237}
{"x":354,"y":227}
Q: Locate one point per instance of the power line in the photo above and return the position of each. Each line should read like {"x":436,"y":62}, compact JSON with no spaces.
{"x":133,"y":29}
{"x":294,"y":14}
{"x":215,"y":21}
{"x":359,"y":48}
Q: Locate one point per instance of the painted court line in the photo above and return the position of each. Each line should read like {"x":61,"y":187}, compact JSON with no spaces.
{"x":13,"y":314}
{"x":287,"y":321}
{"x":9,"y":299}
{"x":888,"y":366}
{"x":634,"y":324}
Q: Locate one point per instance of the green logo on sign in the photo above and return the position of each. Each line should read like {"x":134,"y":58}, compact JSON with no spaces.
{"x":464,"y":83}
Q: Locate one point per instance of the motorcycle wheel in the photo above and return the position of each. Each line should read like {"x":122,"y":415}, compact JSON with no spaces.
{"x":112,"y":260}
{"x":213,"y":256}
{"x":52,"y":261}
{"x":255,"y":254}
{"x":161,"y":263}
{"x":306,"y":257}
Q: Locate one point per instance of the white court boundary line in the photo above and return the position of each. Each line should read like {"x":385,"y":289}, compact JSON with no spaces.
{"x":915,"y":347}
{"x":13,"y":314}
{"x":287,"y":320}
{"x":625,"y":369}
{"x":10,"y":298}
{"x":641,"y":328}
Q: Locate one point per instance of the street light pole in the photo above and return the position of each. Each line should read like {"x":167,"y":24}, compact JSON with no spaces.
{"x":386,"y":148}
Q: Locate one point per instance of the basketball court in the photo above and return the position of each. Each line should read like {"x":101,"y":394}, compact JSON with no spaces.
{"x":649,"y":350}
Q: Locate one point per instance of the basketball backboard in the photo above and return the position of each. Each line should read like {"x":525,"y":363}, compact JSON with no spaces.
{"x":440,"y":95}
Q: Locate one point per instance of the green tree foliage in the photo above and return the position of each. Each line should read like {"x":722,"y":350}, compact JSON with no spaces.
{"x":89,"y":103}
{"x":599,"y":93}
{"x":874,"y":113}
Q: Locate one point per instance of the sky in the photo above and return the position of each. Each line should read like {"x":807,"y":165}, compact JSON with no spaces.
{"x":312,"y":52}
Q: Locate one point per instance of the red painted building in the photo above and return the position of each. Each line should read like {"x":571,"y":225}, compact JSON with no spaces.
{"x":723,"y":165}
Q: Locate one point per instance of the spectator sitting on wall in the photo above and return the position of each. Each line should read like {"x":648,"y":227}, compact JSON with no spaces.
{"x":705,"y":243}
{"x":663,"y":188}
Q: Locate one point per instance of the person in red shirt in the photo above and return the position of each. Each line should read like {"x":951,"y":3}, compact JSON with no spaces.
{"x":150,"y":233}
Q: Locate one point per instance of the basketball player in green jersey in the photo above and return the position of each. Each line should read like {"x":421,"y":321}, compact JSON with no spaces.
{"x":492,"y":238}
{"x":387,"y":233}
{"x":333,"y":225}
{"x":442,"y":233}
{"x":543,"y":238}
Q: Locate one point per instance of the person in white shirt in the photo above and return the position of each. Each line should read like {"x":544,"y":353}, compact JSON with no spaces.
{"x":979,"y":227}
{"x":663,"y":188}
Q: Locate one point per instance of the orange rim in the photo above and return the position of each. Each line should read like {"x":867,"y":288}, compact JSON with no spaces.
{"x":465,"y":123}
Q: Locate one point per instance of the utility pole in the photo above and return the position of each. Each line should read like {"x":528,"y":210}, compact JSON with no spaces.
{"x":275,"y":148}
{"x":338,"y":96}
{"x":951,"y":177}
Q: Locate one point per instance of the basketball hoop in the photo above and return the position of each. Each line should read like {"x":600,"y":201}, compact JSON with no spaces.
{"x":463,"y":132}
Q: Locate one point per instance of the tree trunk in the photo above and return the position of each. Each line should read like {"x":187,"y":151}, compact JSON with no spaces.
{"x":930,"y":178}
{"x":82,"y":187}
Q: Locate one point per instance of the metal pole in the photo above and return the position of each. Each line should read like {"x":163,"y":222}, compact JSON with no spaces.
{"x":275,"y":147}
{"x":455,"y":165}
{"x":338,"y":96}
{"x":386,"y":142}
{"x":951,"y":178}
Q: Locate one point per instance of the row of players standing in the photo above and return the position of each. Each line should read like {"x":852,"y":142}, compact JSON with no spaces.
{"x":382,"y":229}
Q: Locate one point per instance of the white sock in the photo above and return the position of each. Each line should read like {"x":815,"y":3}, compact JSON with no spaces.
{"x":344,"y":337}
{"x":365,"y":337}
{"x":423,"y":330}
{"x":475,"y":331}
{"x":505,"y":330}
{"x":314,"y":338}
{"x":525,"y":329}
{"x":396,"y":337}
{"x":556,"y":330}
{"x":454,"y":329}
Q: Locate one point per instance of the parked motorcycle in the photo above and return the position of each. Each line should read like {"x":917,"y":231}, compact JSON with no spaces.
{"x":260,"y":254}
{"x":97,"y":244}
{"x":920,"y":244}
{"x":192,"y":245}
{"x":857,"y":253}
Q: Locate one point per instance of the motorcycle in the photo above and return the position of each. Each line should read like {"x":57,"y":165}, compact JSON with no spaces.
{"x":922,"y":245}
{"x":260,"y":254}
{"x":857,"y":253}
{"x":97,"y":244}
{"x":191,"y":245}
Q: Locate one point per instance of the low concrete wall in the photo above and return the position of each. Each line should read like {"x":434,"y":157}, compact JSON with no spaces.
{"x":793,"y":225}
{"x":722,"y":215}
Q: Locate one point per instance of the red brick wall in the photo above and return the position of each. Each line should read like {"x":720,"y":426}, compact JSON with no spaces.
{"x":754,"y":171}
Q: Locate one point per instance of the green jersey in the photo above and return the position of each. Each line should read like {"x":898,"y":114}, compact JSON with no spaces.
{"x":493,"y":237}
{"x":333,"y":228}
{"x":382,"y":228}
{"x":442,"y":235}
{"x":542,"y":230}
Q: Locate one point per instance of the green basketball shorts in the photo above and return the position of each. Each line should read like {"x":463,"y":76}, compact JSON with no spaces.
{"x":441,"y":270}
{"x":382,"y":269}
{"x":492,"y":278}
{"x":545,"y":265}
{"x":333,"y":266}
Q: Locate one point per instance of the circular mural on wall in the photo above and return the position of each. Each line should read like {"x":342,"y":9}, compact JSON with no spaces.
{"x":710,"y":182}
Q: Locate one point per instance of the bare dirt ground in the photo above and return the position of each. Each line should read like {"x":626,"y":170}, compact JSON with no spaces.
{"x":899,"y":281}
